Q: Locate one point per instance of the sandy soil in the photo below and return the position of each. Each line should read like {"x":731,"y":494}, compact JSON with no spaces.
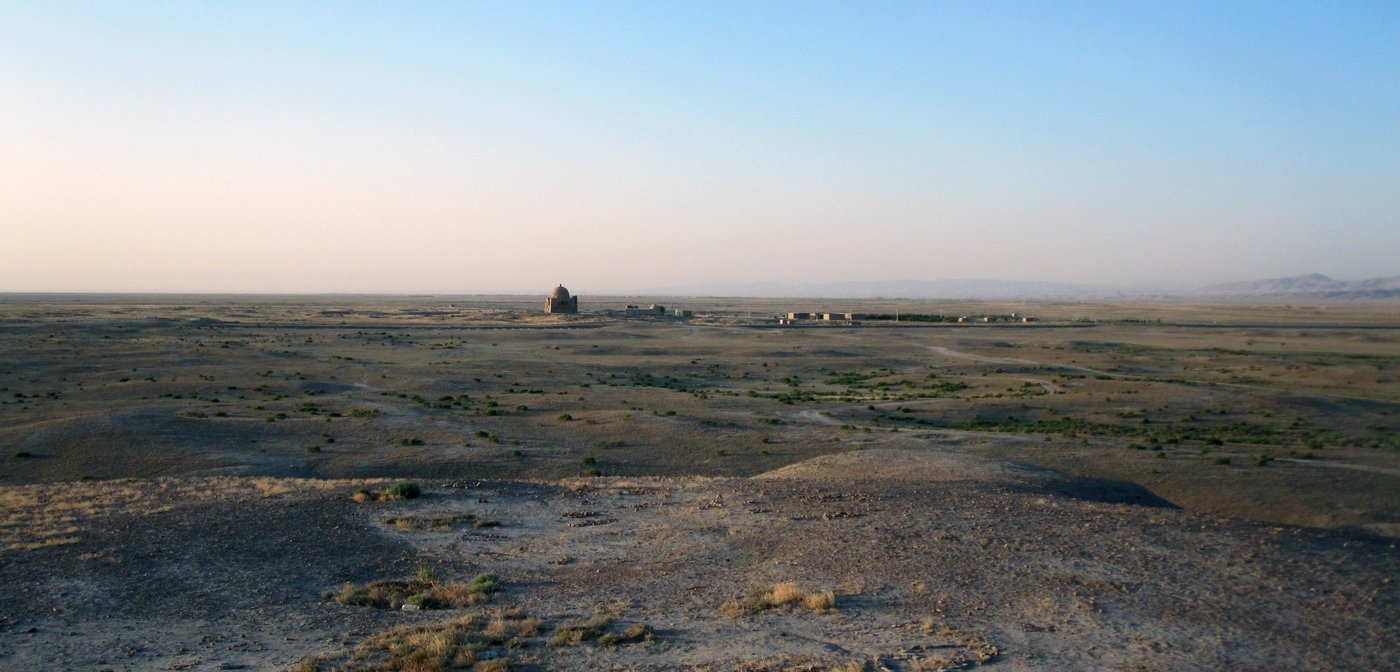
{"x":938,"y":559}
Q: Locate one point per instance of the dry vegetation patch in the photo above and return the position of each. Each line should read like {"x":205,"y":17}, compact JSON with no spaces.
{"x":34,"y":516}
{"x":399,"y":490}
{"x":478,"y":642}
{"x":801,"y":664}
{"x":443,"y":522}
{"x":570,"y":633}
{"x":780,"y":596}
{"x":420,"y":592}
{"x":979,"y":648}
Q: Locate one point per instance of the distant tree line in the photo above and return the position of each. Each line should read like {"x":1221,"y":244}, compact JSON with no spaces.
{"x":921,"y":317}
{"x":913,"y":317}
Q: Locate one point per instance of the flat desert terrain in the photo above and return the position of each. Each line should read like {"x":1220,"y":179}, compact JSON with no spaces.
{"x":201,"y":483}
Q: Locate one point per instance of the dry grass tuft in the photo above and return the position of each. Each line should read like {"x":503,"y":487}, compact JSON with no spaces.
{"x":418,"y":592}
{"x":979,"y":648}
{"x":459,"y":643}
{"x":513,"y":623}
{"x":782,"y":595}
{"x":399,"y":490}
{"x":438,"y":523}
{"x":575,"y":632}
{"x":570,"y":633}
{"x":801,"y":664}
{"x":473,"y":642}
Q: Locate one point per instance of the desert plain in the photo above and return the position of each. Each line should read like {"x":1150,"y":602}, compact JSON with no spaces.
{"x":236,"y":482}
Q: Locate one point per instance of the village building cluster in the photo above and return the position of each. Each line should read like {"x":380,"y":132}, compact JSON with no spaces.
{"x":560,"y":301}
{"x":655,"y":310}
{"x":842,"y":318}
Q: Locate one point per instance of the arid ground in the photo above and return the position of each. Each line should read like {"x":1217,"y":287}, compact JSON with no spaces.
{"x":1113,"y":486}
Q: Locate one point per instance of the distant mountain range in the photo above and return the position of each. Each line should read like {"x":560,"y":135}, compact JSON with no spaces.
{"x":1314,"y":286}
{"x":908,"y":289}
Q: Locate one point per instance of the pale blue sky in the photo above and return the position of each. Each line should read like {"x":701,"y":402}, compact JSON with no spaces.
{"x":486,"y":147}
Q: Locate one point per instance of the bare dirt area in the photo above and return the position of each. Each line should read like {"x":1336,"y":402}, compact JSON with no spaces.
{"x":1139,"y":486}
{"x":934,"y":560}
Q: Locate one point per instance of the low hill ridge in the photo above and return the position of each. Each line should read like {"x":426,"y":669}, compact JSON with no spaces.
{"x":1315,"y":285}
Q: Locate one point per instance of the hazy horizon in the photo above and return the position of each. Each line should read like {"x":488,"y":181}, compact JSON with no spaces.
{"x":617,"y":148}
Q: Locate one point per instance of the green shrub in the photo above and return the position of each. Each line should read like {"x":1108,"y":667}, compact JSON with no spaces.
{"x":313,"y":449}
{"x":404,"y":490}
{"x":22,"y":454}
{"x":568,"y":634}
{"x":1222,"y":460}
{"x":484,"y":584}
{"x":424,"y":601}
{"x":566,"y":417}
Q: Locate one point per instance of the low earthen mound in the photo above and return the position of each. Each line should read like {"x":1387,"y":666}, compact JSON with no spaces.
{"x":889,"y":464}
{"x":916,"y":466}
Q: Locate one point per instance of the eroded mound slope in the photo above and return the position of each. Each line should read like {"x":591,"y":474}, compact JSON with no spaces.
{"x":906,"y":466}
{"x":888,"y":568}
{"x":911,"y":467}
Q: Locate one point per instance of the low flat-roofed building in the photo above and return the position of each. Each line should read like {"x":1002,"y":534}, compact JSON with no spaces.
{"x":638,"y":311}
